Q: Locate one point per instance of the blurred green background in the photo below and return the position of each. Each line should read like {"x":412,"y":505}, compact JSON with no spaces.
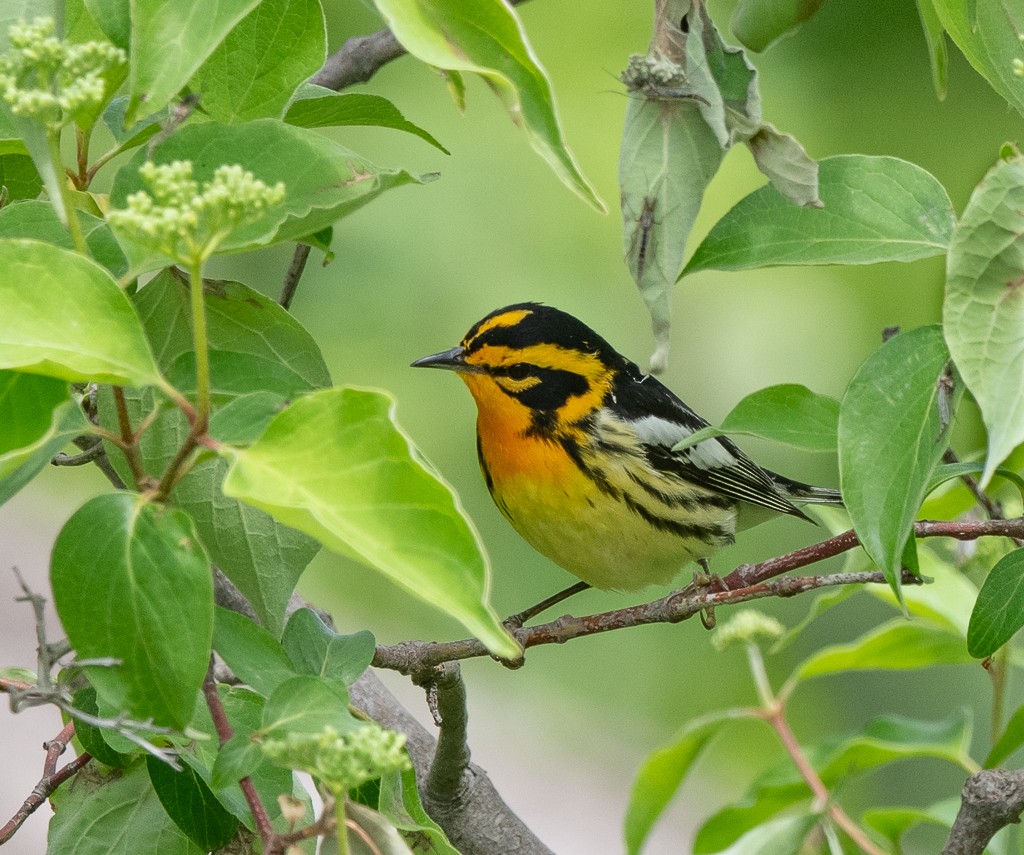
{"x":563,"y":736}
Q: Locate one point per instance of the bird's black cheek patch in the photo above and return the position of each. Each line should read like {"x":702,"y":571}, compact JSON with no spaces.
{"x":555,"y":388}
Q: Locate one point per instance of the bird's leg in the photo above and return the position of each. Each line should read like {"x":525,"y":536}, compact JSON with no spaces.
{"x":705,"y":580}
{"x":516,"y":621}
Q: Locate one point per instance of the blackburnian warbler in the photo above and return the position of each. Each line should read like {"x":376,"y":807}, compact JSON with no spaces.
{"x":575,"y":444}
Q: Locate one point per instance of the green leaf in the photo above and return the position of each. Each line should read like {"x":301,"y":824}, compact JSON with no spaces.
{"x":898,"y":645}
{"x":838,"y":761}
{"x":317,"y":107}
{"x":307,"y":705}
{"x":399,"y":802}
{"x":191,"y":804}
{"x":246,"y":416}
{"x":253,"y":71}
{"x":988,"y":32}
{"x":394,"y":516}
{"x":949,"y":471}
{"x":787,"y":413}
{"x":238,"y":758}
{"x":876,"y":209}
{"x":375,"y":835}
{"x":945,"y":603}
{"x":140,"y":132}
{"x":759,"y":23}
{"x":36,"y":220}
{"x":486,"y":37}
{"x":131,"y":582}
{"x":666,"y":161}
{"x":263,"y":557}
{"x":91,"y":736}
{"x":73,"y":323}
{"x":983,"y":312}
{"x":889,"y":738}
{"x":314,"y":648}
{"x":38,"y":419}
{"x":893,"y":423}
{"x":324,"y":180}
{"x":18,"y":174}
{"x":893,"y":823}
{"x":999,"y":610}
{"x":935,"y":38}
{"x":782,"y":836}
{"x":1009,"y":740}
{"x":663,"y":772}
{"x":114,"y":18}
{"x":123,"y":807}
{"x":170,"y":39}
{"x":252,"y":653}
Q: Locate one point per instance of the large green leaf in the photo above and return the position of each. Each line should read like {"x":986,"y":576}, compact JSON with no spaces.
{"x":787,"y":413}
{"x":131,"y":582}
{"x":335,"y":466}
{"x":983,"y":312}
{"x":989,"y":33}
{"x":876,"y":209}
{"x":74,"y":323}
{"x":999,"y":611}
{"x":1009,"y":740}
{"x":114,"y":814}
{"x":838,"y":761}
{"x":485,"y":37}
{"x":307,"y":705}
{"x":663,"y":772}
{"x":893,"y":423}
{"x":781,"y":836}
{"x":324,"y":180}
{"x":170,"y":39}
{"x":256,"y":344}
{"x":113,"y":17}
{"x":399,"y":801}
{"x":759,"y":23}
{"x":317,"y":107}
{"x":898,"y":645}
{"x":893,"y":823}
{"x":253,"y":72}
{"x":691,"y":98}
{"x":38,"y":419}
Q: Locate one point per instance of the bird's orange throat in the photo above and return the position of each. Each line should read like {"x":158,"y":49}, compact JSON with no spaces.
{"x":510,"y":450}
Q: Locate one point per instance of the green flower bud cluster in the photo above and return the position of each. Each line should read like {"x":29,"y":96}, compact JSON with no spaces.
{"x":342,"y":760}
{"x":745,"y":627}
{"x":52,"y":81}
{"x":188,"y":224}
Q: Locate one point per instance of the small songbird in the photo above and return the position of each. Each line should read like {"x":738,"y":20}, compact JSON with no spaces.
{"x":575,"y":444}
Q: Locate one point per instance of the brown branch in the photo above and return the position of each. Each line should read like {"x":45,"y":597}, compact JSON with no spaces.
{"x":224,"y":733}
{"x":360,"y":58}
{"x":481,"y":823}
{"x":991,"y":799}
{"x":450,"y":766}
{"x":52,"y":778}
{"x":745,"y":583}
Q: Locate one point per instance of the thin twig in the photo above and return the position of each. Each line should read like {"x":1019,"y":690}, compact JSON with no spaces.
{"x":294,"y":274}
{"x":52,"y":778}
{"x":224,"y":733}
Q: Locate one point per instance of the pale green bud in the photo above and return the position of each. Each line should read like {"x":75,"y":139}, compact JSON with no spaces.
{"x":745,"y":626}
{"x":342,"y":760}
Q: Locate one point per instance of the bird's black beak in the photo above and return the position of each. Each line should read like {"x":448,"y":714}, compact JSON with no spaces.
{"x":452,"y":360}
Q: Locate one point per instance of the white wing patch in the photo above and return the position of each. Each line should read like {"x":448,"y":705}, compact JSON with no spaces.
{"x":709,"y":454}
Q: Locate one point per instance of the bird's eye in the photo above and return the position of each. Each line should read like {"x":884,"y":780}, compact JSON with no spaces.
{"x":519,"y":371}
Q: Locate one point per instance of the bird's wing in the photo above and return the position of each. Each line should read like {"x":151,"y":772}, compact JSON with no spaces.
{"x":661,"y":421}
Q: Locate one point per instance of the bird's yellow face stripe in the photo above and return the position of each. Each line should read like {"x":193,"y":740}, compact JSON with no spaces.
{"x":506,"y":319}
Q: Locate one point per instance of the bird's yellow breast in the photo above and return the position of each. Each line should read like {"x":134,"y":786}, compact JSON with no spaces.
{"x":595,"y":532}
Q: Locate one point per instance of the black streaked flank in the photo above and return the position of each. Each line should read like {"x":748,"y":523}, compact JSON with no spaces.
{"x":600,"y":480}
{"x":712,"y":535}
